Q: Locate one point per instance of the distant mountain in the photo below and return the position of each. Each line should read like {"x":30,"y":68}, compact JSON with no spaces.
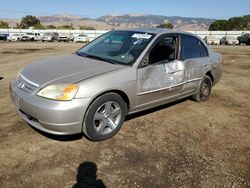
{"x":59,"y":18}
{"x":154,"y":20}
{"x":124,"y":21}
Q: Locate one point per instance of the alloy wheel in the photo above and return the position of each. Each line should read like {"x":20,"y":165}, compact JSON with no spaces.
{"x":107,"y":117}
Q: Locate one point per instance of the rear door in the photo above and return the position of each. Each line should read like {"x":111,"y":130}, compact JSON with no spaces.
{"x":195,"y":57}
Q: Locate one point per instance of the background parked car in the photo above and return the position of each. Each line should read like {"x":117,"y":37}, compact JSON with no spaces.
{"x":38,"y":37}
{"x":14,"y":37}
{"x":81,"y":38}
{"x":25,"y":38}
{"x":211,"y":40}
{"x":65,"y":37}
{"x":228,"y":40}
{"x":31,"y":37}
{"x":244,"y":39}
{"x":3,"y":36}
{"x":50,"y":36}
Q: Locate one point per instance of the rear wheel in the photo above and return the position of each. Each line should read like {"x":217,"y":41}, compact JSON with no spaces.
{"x":105,"y":117}
{"x":204,"y":89}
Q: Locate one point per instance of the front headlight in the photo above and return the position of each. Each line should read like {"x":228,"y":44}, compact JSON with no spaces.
{"x":59,"y":92}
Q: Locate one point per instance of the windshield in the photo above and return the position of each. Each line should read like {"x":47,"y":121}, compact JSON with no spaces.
{"x":122,"y":47}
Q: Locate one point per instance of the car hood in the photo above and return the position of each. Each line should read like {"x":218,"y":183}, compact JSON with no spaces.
{"x":65,"y":69}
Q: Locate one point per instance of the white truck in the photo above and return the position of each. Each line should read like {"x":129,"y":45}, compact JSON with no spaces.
{"x":31,"y":37}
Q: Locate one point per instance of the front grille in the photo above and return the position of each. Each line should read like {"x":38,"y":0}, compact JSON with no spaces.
{"x":25,"y":86}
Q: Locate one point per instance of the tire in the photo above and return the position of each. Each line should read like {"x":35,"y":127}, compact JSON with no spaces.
{"x":105,"y":117}
{"x":204,"y":89}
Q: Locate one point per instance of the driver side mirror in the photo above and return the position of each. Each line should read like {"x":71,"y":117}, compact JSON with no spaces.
{"x":145,"y":61}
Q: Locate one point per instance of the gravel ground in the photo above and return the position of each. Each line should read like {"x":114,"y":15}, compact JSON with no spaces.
{"x":183,"y":144}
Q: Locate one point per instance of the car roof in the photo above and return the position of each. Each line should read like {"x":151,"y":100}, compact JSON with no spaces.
{"x":155,"y":30}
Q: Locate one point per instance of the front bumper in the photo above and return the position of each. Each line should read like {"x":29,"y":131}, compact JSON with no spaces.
{"x":53,"y":117}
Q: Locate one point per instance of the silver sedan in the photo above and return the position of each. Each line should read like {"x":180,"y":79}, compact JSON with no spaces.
{"x":122,"y":72}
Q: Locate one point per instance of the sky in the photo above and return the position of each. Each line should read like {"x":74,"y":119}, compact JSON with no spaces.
{"x":216,"y":9}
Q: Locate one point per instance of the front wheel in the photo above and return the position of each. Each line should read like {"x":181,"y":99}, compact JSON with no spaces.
{"x":204,"y":89}
{"x":105,"y":117}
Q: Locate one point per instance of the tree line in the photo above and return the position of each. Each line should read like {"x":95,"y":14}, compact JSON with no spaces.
{"x":232,"y":24}
{"x":32,"y":21}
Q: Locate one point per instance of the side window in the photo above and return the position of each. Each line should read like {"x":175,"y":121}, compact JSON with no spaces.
{"x":203,"y":48}
{"x":164,"y":50}
{"x":189,"y":48}
{"x":192,"y":47}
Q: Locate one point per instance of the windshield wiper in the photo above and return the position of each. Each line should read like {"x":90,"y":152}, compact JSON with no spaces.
{"x":78,"y":53}
{"x":101,"y":58}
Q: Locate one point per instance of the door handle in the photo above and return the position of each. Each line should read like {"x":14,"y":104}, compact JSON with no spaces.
{"x":173,"y":72}
{"x":206,"y":65}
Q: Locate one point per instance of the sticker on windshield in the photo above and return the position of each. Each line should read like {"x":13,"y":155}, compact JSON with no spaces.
{"x":142,"y":36}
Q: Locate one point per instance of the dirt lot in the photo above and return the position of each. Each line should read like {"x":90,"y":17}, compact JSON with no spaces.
{"x":185,"y":144}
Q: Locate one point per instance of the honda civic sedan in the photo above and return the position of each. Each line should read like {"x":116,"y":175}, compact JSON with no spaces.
{"x":122,"y":72}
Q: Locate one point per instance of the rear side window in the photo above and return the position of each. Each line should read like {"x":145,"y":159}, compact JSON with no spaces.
{"x":192,"y":48}
{"x":204,"y":52}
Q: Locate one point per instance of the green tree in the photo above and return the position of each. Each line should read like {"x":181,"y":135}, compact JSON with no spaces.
{"x":68,"y":27}
{"x":246,"y":22}
{"x":166,"y":26}
{"x":4,"y":25}
{"x":29,"y":21}
{"x":221,"y":25}
{"x":84,"y":27}
{"x":234,"y":23}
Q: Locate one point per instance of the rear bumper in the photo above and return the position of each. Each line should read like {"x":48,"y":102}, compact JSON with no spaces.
{"x":53,"y":117}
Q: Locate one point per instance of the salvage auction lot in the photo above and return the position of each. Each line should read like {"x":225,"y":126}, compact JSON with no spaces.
{"x":186,"y":143}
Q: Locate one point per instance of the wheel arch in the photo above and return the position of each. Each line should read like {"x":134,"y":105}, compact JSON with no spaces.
{"x":209,"y":73}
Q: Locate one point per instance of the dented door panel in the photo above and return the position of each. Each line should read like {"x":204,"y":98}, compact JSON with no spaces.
{"x":195,"y":69}
{"x":159,"y":82}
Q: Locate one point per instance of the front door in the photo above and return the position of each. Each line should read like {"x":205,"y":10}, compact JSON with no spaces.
{"x":161,"y":77}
